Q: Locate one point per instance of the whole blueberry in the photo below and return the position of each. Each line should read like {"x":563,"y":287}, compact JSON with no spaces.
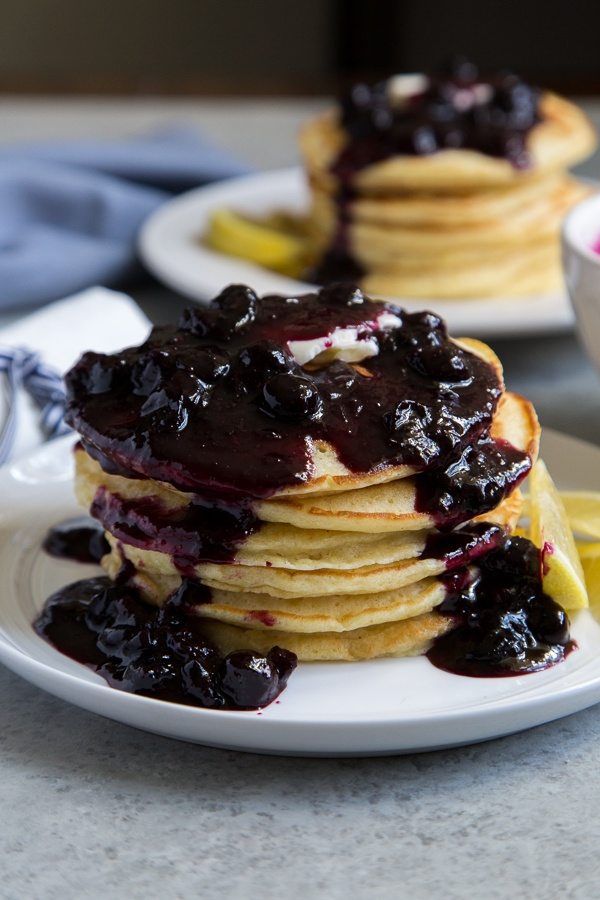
{"x":290,"y":397}
{"x":249,"y":680}
{"x":236,"y":309}
{"x":198,"y":681}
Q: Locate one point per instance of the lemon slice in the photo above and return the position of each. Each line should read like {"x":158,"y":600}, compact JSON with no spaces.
{"x":563,"y":575}
{"x":230,"y":233}
{"x":589,"y":554}
{"x":583,"y":511}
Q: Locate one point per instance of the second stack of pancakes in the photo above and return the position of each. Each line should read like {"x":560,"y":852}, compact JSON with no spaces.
{"x":341,"y":565}
{"x":450,"y":185}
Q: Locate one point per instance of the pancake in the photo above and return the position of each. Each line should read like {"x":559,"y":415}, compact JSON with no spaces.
{"x":389,"y":507}
{"x":410,"y":637}
{"x":523,"y":272}
{"x":424,"y":246}
{"x":375,"y":510}
{"x":316,"y":615}
{"x":329,"y":474}
{"x":415,"y":227}
{"x":225,"y":537}
{"x":329,"y":612}
{"x":444,"y":212}
{"x":344,"y":627}
{"x":288,"y":582}
{"x":182,"y":443}
{"x":392,"y":507}
{"x":563,"y":138}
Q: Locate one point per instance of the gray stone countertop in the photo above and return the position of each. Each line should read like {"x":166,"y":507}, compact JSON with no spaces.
{"x":90,"y":808}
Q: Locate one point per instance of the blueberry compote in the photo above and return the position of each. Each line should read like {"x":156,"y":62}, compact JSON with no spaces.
{"x":219,"y":406}
{"x":202,"y":531}
{"x":505,"y":623}
{"x":455,"y":109}
{"x":79,"y":539}
{"x":160,"y":653}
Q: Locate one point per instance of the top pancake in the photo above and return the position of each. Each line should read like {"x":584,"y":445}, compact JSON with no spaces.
{"x":152,"y":412}
{"x":387,"y":507}
{"x":563,"y":138}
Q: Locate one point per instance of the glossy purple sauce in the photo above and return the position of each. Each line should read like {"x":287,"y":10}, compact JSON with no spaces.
{"x":159,"y":653}
{"x":457,"y":109}
{"x":203,"y":531}
{"x":78,"y":539}
{"x":219,"y":406}
{"x":463,"y":547}
{"x":505,"y":623}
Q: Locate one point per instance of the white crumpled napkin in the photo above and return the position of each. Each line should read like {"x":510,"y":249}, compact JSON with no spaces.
{"x":96,"y":319}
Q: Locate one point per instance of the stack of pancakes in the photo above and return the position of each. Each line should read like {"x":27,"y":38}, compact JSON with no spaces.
{"x":338,"y":568}
{"x":451,"y":223}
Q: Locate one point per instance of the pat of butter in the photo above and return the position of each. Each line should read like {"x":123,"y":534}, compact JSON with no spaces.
{"x":345,"y":343}
{"x":401,"y":87}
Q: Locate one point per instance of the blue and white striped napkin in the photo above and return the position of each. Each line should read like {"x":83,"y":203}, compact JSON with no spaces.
{"x":22,"y":369}
{"x":37,"y":350}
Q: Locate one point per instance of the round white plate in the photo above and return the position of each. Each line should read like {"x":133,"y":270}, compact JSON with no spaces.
{"x":340,"y":709}
{"x":171,"y":246}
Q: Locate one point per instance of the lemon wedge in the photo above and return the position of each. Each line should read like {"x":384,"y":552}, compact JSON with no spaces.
{"x":589,"y":554}
{"x":233,"y":234}
{"x":563,"y":576}
{"x":583,"y":512}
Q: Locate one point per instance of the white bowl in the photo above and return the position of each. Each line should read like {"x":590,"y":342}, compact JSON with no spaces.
{"x":581,"y":231}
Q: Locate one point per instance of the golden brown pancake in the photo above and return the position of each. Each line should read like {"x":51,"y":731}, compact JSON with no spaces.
{"x":330,"y":474}
{"x":409,"y":637}
{"x":388,"y":507}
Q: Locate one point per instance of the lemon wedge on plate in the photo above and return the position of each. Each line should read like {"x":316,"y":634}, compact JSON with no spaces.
{"x":583,"y":512}
{"x":229,"y":232}
{"x":589,"y":554}
{"x":563,"y":575}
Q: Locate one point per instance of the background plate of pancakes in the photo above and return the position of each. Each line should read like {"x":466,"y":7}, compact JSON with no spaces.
{"x":341,"y":709}
{"x":171,"y":246}
{"x":444,"y":189}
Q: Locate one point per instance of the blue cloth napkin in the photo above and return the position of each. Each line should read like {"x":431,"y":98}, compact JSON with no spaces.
{"x":70,"y":211}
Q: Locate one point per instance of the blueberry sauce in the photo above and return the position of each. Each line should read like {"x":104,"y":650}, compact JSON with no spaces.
{"x":219,"y":406}
{"x":159,"y":653}
{"x":338,"y":262}
{"x":78,"y":539}
{"x":462,"y":547}
{"x":203,"y":531}
{"x":505,"y":623}
{"x":476,"y":482}
{"x":456,"y":109}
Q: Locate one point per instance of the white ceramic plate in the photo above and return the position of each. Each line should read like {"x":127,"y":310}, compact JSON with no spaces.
{"x":340,"y":709}
{"x":170,"y":244}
